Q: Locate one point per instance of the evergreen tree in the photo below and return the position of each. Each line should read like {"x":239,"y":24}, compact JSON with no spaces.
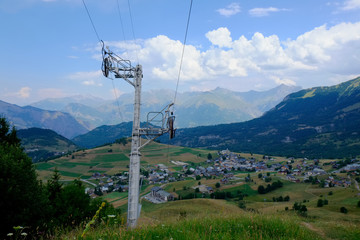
{"x":23,"y":201}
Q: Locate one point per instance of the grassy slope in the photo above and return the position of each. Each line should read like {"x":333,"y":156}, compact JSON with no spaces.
{"x":203,"y":219}
{"x":218,"y":219}
{"x":84,"y":163}
{"x":326,"y":222}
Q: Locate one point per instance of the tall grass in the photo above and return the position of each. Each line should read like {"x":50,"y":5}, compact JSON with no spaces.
{"x":248,"y":226}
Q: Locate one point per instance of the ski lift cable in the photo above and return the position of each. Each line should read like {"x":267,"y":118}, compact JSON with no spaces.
{"x":120,"y":19}
{"x":100,"y":41}
{"x":183,"y":50}
{"x":117,"y":100}
{"x":133,"y":31}
{"x":92,"y":23}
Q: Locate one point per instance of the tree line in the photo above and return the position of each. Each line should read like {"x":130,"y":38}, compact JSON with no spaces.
{"x":270,"y":187}
{"x":27,"y":202}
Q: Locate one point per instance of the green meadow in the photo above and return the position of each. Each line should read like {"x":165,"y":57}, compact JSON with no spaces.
{"x":261,"y":218}
{"x":112,"y":159}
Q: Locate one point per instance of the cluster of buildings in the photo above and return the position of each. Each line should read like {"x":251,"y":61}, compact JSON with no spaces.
{"x":107,"y":183}
{"x":222,"y":167}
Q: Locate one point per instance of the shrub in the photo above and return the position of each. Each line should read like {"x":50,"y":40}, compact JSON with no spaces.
{"x":320,"y":203}
{"x":343,"y":210}
{"x":242,"y":205}
{"x":300,"y":209}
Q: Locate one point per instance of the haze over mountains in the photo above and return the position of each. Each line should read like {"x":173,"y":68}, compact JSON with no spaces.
{"x":321,"y":122}
{"x":28,"y":117}
{"x":192,"y":108}
{"x":316,"y":122}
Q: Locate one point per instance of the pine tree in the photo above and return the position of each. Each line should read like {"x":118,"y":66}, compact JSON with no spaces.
{"x":22,"y":198}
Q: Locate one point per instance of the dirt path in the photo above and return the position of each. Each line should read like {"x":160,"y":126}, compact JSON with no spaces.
{"x":86,"y":181}
{"x":357,"y":185}
{"x":306,"y":190}
{"x":315,"y":229}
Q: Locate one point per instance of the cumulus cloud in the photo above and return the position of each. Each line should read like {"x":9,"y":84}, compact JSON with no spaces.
{"x":262,"y":12}
{"x":351,"y":5}
{"x":334,"y":49}
{"x":230,"y":10}
{"x":246,"y":62}
{"x":220,"y":37}
{"x":164,"y":57}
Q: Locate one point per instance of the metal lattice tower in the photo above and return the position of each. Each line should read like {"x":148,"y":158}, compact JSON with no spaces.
{"x":122,"y":69}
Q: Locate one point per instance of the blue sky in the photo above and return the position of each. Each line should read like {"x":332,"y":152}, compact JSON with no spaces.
{"x":49,"y":48}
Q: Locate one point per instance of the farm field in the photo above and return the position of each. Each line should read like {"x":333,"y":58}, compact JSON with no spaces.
{"x":327,"y":222}
{"x":114,"y":158}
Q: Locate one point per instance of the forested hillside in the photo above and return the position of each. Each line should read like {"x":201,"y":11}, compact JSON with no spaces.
{"x":316,"y":122}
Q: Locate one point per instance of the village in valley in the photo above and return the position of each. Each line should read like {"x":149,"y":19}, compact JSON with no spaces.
{"x":228,"y":168}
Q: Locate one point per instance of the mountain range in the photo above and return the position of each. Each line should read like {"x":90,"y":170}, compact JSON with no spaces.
{"x":321,"y":122}
{"x":103,"y":135}
{"x":28,"y":117}
{"x":193,"y":108}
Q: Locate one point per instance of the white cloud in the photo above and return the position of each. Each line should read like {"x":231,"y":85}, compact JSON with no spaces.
{"x":244,"y":63}
{"x":163,"y":56}
{"x":351,"y":5}
{"x":89,"y":82}
{"x":220,"y":37}
{"x":285,"y":81}
{"x":85,"y":75}
{"x":230,"y":10}
{"x":24,"y":92}
{"x":334,"y":49}
{"x":93,"y":78}
{"x":261,"y":12}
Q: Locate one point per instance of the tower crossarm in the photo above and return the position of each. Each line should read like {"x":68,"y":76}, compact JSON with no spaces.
{"x":121,"y":68}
